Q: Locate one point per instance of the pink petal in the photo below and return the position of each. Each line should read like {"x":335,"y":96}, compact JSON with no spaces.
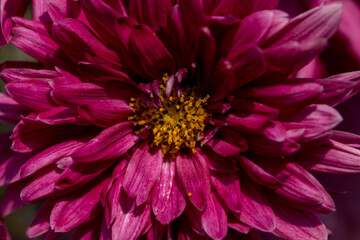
{"x":23,"y":74}
{"x":4,"y":232}
{"x":281,"y":96}
{"x":10,"y":110}
{"x":88,"y":231}
{"x":79,"y":207}
{"x":34,"y":94}
{"x":110,"y":144}
{"x":228,"y":188}
{"x":256,"y":211}
{"x":130,"y":225}
{"x":214,"y":218}
{"x":228,"y":142}
{"x":40,"y":223}
{"x":175,"y":205}
{"x":96,"y":10}
{"x":117,"y":111}
{"x":71,"y":33}
{"x":194,"y":176}
{"x":40,"y":10}
{"x":315,"y":119}
{"x":50,"y":155}
{"x":155,"y":59}
{"x":32,"y":135}
{"x":98,"y":72}
{"x":320,"y":22}
{"x":236,"y":224}
{"x":218,"y":163}
{"x":79,"y":173}
{"x":295,"y":224}
{"x":8,"y":10}
{"x":60,"y":9}
{"x":150,"y":12}
{"x":112,"y":202}
{"x":11,"y":200}
{"x":40,"y":46}
{"x":331,"y":157}
{"x":142,"y":172}
{"x":73,"y":95}
{"x":40,"y":186}
{"x":162,"y":189}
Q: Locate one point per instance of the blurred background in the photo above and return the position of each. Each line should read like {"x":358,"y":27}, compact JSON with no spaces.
{"x":344,"y":223}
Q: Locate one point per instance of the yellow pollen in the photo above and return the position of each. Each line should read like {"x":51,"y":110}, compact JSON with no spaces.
{"x":177,"y":124}
{"x":189,"y":194}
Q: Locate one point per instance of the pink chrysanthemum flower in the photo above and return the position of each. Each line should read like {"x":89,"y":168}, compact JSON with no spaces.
{"x":172,"y":119}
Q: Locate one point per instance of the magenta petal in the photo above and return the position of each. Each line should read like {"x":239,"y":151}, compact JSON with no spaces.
{"x":11,"y":200}
{"x":315,"y":119}
{"x":320,"y":22}
{"x":298,"y":187}
{"x":34,"y":94}
{"x":40,"y":224}
{"x":95,"y":10}
{"x":79,"y":173}
{"x":10,"y":162}
{"x":77,"y":208}
{"x":256,"y":211}
{"x":281,"y":96}
{"x":40,"y":186}
{"x":88,"y":231}
{"x":32,"y":135}
{"x":228,"y":143}
{"x":49,"y":156}
{"x":214,"y":218}
{"x":40,"y":11}
{"x":150,"y":12}
{"x":60,"y":9}
{"x":74,"y":95}
{"x":4,"y":234}
{"x":193,"y":220}
{"x":218,"y":163}
{"x":40,"y":46}
{"x":194,"y":175}
{"x":332,"y":157}
{"x":116,"y":111}
{"x":228,"y":188}
{"x":8,"y":10}
{"x":157,"y":231}
{"x":112,"y":202}
{"x":162,"y":189}
{"x":236,"y":224}
{"x":23,"y":74}
{"x":110,"y":144}
{"x":294,"y":224}
{"x":175,"y":206}
{"x":292,"y":56}
{"x":97,"y":72}
{"x":131,"y":224}
{"x":70,"y":33}
{"x":153,"y":56}
{"x":339,"y":88}
{"x":142,"y":172}
{"x":10,"y":110}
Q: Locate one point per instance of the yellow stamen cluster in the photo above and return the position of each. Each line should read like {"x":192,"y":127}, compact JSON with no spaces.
{"x":177,"y":124}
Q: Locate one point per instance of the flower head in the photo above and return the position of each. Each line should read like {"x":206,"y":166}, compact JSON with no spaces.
{"x":173,"y":118}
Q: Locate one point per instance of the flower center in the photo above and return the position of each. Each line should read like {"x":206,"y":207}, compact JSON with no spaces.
{"x":177,"y":124}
